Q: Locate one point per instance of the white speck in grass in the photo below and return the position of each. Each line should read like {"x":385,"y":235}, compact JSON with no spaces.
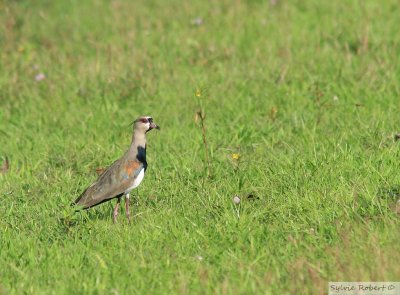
{"x":39,"y":77}
{"x":198,"y":21}
{"x":236,"y":200}
{"x":335,"y":98}
{"x":199,"y":257}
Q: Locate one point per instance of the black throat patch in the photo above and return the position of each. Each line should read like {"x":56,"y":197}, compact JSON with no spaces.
{"x":141,"y":155}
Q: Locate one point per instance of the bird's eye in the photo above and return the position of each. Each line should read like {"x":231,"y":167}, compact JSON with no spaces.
{"x":144,"y":120}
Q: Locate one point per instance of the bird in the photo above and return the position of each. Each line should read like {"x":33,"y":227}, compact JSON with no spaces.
{"x":124,"y":175}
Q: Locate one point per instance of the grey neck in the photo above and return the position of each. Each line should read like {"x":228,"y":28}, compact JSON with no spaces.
{"x":138,"y":146}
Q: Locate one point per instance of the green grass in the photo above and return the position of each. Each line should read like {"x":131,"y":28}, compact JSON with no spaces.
{"x":306,"y":91}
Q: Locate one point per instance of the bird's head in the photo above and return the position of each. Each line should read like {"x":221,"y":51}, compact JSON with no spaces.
{"x":144,"y":124}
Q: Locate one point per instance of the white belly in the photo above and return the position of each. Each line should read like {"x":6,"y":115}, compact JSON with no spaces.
{"x":136,"y":182}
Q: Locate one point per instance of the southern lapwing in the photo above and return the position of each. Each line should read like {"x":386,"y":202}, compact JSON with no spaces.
{"x":123,"y":175}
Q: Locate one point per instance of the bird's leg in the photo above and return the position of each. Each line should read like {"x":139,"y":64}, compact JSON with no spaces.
{"x":128,"y":213}
{"x":115,"y":213}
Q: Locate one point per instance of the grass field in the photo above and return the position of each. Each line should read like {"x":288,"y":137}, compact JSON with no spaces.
{"x":302,"y":104}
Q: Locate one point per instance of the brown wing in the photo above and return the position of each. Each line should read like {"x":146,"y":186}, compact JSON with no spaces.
{"x":113,"y":182}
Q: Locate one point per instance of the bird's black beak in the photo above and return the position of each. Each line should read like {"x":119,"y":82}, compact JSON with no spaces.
{"x":154,"y":126}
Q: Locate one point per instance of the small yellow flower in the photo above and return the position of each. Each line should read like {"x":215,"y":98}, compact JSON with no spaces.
{"x":235,"y":156}
{"x":198,"y":93}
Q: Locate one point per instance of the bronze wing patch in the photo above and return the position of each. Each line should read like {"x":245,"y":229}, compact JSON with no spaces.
{"x":131,"y":166}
